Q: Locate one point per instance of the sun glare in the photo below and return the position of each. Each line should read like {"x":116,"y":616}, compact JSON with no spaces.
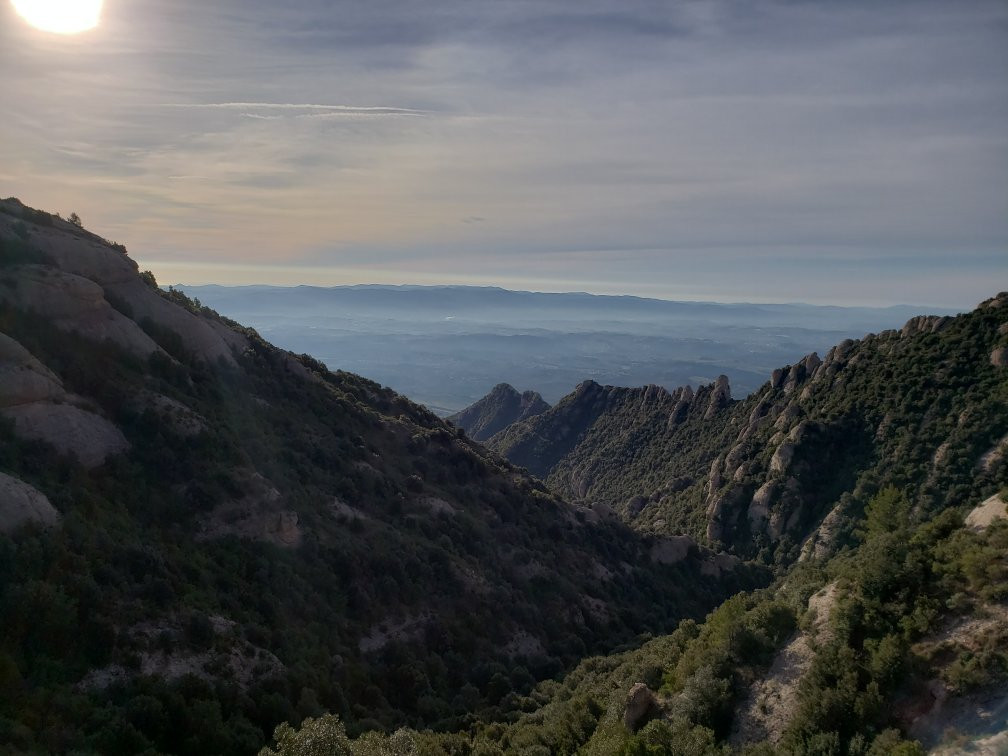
{"x":60,"y":16}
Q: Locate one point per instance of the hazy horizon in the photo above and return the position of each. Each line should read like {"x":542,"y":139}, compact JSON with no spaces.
{"x":937,"y":308}
{"x":447,"y":346}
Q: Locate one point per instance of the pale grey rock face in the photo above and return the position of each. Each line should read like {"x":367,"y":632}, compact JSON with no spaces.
{"x":684,"y":399}
{"x":70,"y":430}
{"x":198,"y":335}
{"x":715,"y":475}
{"x":791,"y":413}
{"x":759,"y":508}
{"x":723,"y":512}
{"x":735,"y":457}
{"x":777,"y":377}
{"x":21,"y":504}
{"x":77,"y":304}
{"x":83,"y":257}
{"x":822,"y":541}
{"x":812,"y":363}
{"x":999,"y":357}
{"x":781,"y":459}
{"x":640,"y":705}
{"x":23,"y":379}
{"x":91,"y":272}
{"x":720,"y":396}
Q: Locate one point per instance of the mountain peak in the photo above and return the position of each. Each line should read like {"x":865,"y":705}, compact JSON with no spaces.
{"x":502,"y":407}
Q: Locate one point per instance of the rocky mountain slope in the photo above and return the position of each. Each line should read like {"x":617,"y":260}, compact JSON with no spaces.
{"x":202,"y":536}
{"x":502,"y":407}
{"x":782,"y":473}
{"x":895,"y":645}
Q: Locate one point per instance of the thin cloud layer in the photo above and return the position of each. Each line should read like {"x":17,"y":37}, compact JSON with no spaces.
{"x":715,"y":150}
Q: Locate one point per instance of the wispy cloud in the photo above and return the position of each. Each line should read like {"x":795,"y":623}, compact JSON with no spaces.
{"x":377,"y":110}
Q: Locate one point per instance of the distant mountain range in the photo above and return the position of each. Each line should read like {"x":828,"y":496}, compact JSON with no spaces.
{"x":447,"y":346}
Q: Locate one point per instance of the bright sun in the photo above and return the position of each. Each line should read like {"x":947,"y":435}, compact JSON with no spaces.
{"x":60,"y":16}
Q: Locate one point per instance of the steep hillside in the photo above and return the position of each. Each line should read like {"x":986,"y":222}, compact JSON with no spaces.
{"x":202,"y":536}
{"x":895,"y":647}
{"x":783,"y":472}
{"x":502,"y":407}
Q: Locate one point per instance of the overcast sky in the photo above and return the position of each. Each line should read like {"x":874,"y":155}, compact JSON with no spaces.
{"x":847,"y":152}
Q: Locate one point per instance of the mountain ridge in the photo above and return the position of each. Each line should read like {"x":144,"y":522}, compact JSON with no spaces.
{"x":742,"y":451}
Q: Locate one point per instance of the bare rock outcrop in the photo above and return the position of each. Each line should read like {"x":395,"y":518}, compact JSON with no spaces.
{"x":70,"y":430}
{"x":787,"y":416}
{"x":79,"y":256}
{"x":23,"y":379}
{"x":924,"y":324}
{"x":720,"y":397}
{"x":989,"y":511}
{"x":770,"y":703}
{"x":77,"y":304}
{"x":684,"y":400}
{"x":782,"y":458}
{"x":21,"y":503}
{"x":999,"y":357}
{"x":33,"y":397}
{"x":759,"y":508}
{"x":718,"y":563}
{"x":715,"y":481}
{"x":636,"y":505}
{"x":641,"y":706}
{"x":199,"y":335}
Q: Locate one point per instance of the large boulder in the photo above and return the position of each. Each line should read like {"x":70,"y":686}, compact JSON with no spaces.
{"x":641,"y":706}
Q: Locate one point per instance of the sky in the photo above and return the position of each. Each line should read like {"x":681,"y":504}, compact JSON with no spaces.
{"x":844,"y":152}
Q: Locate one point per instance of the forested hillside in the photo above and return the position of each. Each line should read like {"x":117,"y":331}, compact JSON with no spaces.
{"x":874,"y":481}
{"x":895,"y":646}
{"x":202,"y":536}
